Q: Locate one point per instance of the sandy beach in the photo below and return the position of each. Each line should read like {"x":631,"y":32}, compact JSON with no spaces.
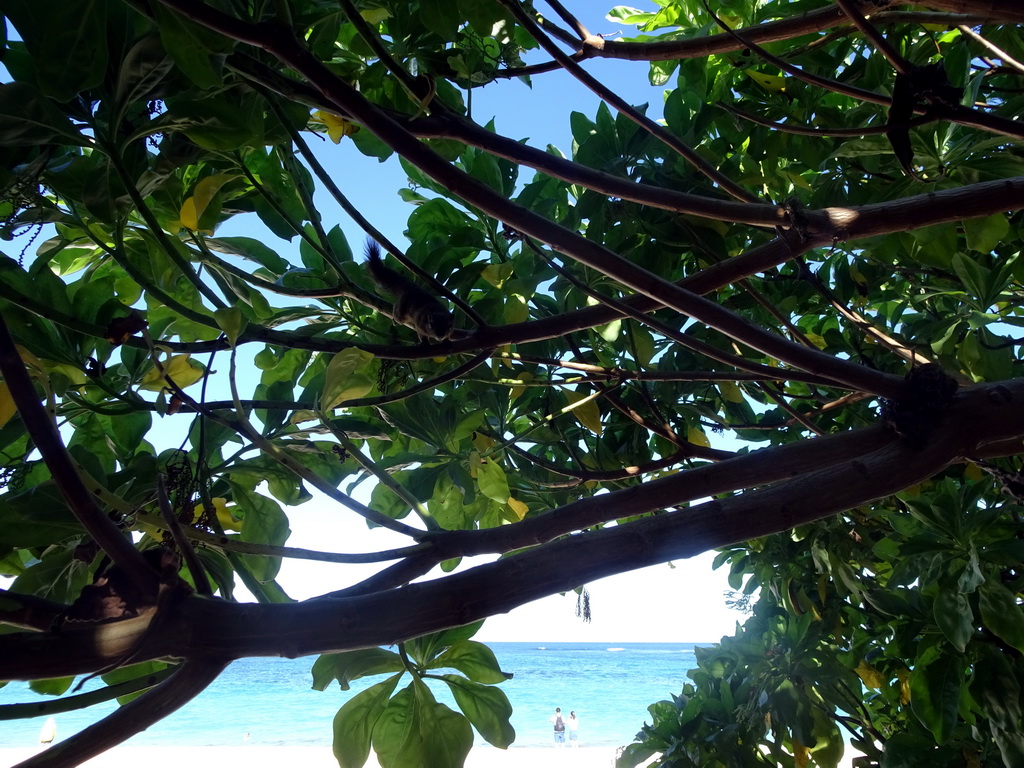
{"x":319,"y":757}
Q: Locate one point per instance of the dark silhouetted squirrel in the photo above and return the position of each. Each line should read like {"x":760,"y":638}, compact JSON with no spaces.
{"x":414,"y":306}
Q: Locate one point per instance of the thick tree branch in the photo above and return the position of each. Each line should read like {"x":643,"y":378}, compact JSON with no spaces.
{"x":137,"y":715}
{"x":865,"y":465}
{"x":44,"y":435}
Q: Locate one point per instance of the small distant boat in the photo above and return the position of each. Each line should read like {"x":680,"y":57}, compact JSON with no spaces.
{"x":615,"y":649}
{"x":542,"y":648}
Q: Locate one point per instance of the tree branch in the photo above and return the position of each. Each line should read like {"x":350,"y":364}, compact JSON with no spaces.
{"x":137,"y":715}
{"x":47,"y":440}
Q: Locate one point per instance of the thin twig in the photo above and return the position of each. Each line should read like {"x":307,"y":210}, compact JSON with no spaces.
{"x":620,"y":104}
{"x":192,"y":562}
{"x":188,"y":681}
{"x":1006,"y":58}
{"x":296,"y":553}
{"x":874,"y":36}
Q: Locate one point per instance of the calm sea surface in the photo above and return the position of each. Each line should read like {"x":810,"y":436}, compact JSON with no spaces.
{"x":269,"y":701}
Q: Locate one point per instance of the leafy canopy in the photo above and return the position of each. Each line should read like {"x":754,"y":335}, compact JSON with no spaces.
{"x":813,"y":244}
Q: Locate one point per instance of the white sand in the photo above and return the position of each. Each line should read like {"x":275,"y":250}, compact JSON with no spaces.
{"x":322,"y":757}
{"x":319,"y":757}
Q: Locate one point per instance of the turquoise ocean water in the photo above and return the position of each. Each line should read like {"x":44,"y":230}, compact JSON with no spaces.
{"x":269,"y":702}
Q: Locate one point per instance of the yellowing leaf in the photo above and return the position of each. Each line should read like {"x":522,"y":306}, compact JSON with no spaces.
{"x":344,"y":379}
{"x":220,"y":505}
{"x":30,"y":359}
{"x":228,"y":521}
{"x":797,"y":180}
{"x":482,"y":442}
{"x":490,"y":477}
{"x":801,"y":755}
{"x":589,"y":414}
{"x":193,"y":208}
{"x":904,"y":677}
{"x":7,"y":408}
{"x":973,"y":472}
{"x":519,"y":508}
{"x":771,"y":83}
{"x":179,"y":368}
{"x":505,"y":359}
{"x":497,"y":274}
{"x":730,"y":392}
{"x":516,"y":309}
{"x":872,"y":677}
{"x":337,"y":127}
{"x":696,"y":436}
{"x":644,"y":343}
{"x":816,"y":340}
{"x":610,"y":332}
{"x":527,"y":378}
{"x":75,"y":375}
{"x":375,"y":15}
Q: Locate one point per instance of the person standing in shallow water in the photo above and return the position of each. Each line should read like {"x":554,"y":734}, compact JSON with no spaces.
{"x":559,"y":723}
{"x":574,"y":730}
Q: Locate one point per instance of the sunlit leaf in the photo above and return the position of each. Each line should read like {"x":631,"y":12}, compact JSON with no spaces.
{"x":345,"y":379}
{"x":492,"y":481}
{"x":337,"y":127}
{"x":182,"y":370}
{"x":355,"y":721}
{"x":771,"y":83}
{"x":7,"y":407}
{"x":589,"y":413}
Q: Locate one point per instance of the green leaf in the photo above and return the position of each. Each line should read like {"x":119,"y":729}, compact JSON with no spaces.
{"x":1011,"y":745}
{"x":344,"y":379}
{"x":1001,"y":613}
{"x":54,"y":686}
{"x":425,"y":648}
{"x":440,"y":16}
{"x":355,"y":721}
{"x":475,"y":660}
{"x":492,"y":481}
{"x":252,"y":249}
{"x":415,"y":731}
{"x":68,"y":41}
{"x":263,"y":522}
{"x":793,"y":711}
{"x":996,"y":689}
{"x":27,"y":119}
{"x":935,"y":695}
{"x":191,"y":46}
{"x":231,"y":321}
{"x":954,"y":616}
{"x":352,"y":665}
{"x":971,"y":274}
{"x":144,"y":67}
{"x":487,"y":708}
{"x":985,"y":233}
